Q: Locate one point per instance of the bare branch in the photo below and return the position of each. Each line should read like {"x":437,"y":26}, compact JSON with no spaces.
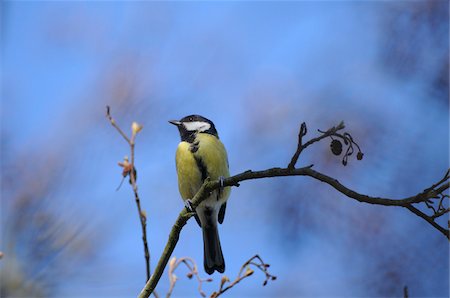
{"x":302,"y":132}
{"x":209,"y":186}
{"x":336,"y":145}
{"x":129,"y":169}
{"x":445,"y":178}
{"x":259,"y":264}
{"x":113,"y":123}
{"x":440,"y":213}
{"x":193,"y":271}
{"x":429,"y":219}
{"x":432,"y":192}
{"x":439,"y":196}
{"x":170,"y":246}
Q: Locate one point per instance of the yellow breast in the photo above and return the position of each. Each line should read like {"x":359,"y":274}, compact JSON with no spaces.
{"x":212,"y":155}
{"x":189,"y":176}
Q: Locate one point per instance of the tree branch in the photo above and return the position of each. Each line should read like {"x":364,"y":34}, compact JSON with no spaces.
{"x":193,"y":271}
{"x":259,"y":264}
{"x":429,"y":219}
{"x":208,"y":186}
{"x":170,"y":246}
{"x":113,"y":123}
{"x":130,"y":170}
{"x":308,"y":171}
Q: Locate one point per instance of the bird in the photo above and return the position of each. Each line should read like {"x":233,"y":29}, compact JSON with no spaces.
{"x":201,"y":154}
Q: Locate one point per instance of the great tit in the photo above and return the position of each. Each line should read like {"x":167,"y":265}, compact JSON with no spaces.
{"x":199,"y":155}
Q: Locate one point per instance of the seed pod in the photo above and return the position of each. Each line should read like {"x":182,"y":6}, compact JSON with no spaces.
{"x":359,"y":156}
{"x":336,"y":147}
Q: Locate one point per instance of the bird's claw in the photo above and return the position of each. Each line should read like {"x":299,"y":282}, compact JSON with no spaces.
{"x":221,"y":183}
{"x":188,"y":205}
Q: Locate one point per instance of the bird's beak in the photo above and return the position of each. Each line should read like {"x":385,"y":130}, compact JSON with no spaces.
{"x":175,"y":122}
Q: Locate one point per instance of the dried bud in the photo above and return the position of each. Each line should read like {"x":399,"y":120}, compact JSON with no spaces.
{"x":274,"y":277}
{"x":189,"y":275}
{"x":126,"y":165}
{"x":224,"y":280}
{"x":144,"y":214}
{"x":359,"y":156}
{"x":172,"y":262}
{"x":336,"y":147}
{"x":135,"y":128}
{"x":265,"y":283}
{"x":249,"y":271}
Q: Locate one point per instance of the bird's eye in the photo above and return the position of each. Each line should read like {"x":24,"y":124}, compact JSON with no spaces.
{"x":191,"y":119}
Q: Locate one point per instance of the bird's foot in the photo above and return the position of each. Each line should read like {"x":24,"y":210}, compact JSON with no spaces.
{"x":188,"y":205}
{"x":221,"y":182}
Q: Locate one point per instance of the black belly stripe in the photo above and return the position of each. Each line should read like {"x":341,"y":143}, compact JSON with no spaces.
{"x":201,"y":166}
{"x":194,"y":147}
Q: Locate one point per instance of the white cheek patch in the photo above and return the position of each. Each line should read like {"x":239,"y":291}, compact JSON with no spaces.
{"x":197,"y":126}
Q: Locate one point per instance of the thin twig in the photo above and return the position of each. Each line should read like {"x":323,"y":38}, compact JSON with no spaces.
{"x":445,"y":178}
{"x":248,"y":272}
{"x":193,"y":271}
{"x":429,"y":219}
{"x":168,"y":249}
{"x":301,"y":133}
{"x":113,"y":123}
{"x":132,"y":174}
{"x":437,"y":192}
{"x":325,"y":134}
{"x":440,"y":213}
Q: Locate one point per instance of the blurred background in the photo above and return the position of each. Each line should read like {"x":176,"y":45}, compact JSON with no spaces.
{"x":257,"y":70}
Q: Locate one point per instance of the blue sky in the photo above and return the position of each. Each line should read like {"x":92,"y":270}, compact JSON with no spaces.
{"x":257,"y":69}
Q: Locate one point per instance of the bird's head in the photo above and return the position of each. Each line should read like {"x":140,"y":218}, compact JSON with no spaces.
{"x":190,"y":125}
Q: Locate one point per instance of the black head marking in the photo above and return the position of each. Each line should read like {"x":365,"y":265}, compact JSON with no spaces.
{"x":190,"y":125}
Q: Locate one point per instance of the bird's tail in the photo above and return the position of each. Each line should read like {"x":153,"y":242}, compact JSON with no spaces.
{"x":213,"y":257}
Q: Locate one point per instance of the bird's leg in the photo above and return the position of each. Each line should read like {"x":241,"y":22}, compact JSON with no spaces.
{"x":221,"y":180}
{"x":188,"y":205}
